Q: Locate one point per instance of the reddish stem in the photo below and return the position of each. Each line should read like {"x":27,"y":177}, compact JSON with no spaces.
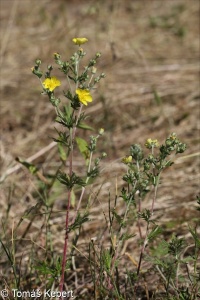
{"x":64,"y":257}
{"x":65,"y":245}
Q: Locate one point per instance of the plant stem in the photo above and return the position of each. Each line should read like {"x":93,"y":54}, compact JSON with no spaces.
{"x":83,"y":189}
{"x":138,"y":221}
{"x":143,"y":249}
{"x":147,"y":228}
{"x":155,"y":194}
{"x":64,"y":257}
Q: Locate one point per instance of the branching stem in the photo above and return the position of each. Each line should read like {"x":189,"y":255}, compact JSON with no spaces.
{"x":65,"y":248}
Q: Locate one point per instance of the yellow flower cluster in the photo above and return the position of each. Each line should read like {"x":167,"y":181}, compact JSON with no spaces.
{"x":151,"y":143}
{"x":51,"y":83}
{"x":127,"y":159}
{"x":84,"y":96}
{"x":79,"y":41}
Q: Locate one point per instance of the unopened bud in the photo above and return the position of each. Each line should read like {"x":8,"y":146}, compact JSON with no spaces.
{"x":98,"y":54}
{"x":49,"y":67}
{"x":38,"y":62}
{"x":56,"y":55}
{"x":94,"y":70}
{"x":101,"y":131}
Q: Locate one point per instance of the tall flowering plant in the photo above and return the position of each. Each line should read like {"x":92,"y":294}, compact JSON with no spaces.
{"x":71,"y":116}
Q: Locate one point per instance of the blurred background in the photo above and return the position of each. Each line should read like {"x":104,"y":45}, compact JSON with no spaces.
{"x":150,"y":54}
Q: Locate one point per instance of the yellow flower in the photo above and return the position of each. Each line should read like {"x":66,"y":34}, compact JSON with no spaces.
{"x":151,"y":143}
{"x":84,"y":96}
{"x":127,"y":159}
{"x":173,"y":136}
{"x":51,"y":83}
{"x":80,"y":41}
{"x":56,"y":55}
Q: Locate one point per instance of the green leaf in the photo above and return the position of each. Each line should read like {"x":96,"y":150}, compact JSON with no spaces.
{"x":187,"y":259}
{"x":160,"y":250}
{"x":62,"y":152}
{"x":118,"y":218}
{"x":65,"y":118}
{"x":125,"y":236}
{"x":73,"y":198}
{"x":195,"y":236}
{"x":68,"y":110}
{"x":72,"y":78}
{"x":79,"y":221}
{"x":68,"y":95}
{"x":32,"y":168}
{"x":154,"y":232}
{"x":54,"y":101}
{"x":85,"y":126}
{"x":70,"y":180}
{"x":83,"y":147}
{"x":106,"y":259}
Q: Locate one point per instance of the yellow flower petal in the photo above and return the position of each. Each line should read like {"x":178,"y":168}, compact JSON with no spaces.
{"x":127,"y":159}
{"x":79,"y":41}
{"x":151,"y":143}
{"x":84,"y":96}
{"x":51,"y":83}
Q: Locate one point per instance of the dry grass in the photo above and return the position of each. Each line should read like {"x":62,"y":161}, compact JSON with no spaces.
{"x":137,"y":59}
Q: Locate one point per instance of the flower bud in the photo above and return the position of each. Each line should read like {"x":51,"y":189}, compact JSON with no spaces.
{"x":49,"y":67}
{"x":94,"y":70}
{"x":98,"y":54}
{"x":38,"y":62}
{"x":56,"y":55}
{"x":104,"y":154}
{"x":92,"y":62}
{"x":36,"y":71}
{"x":173,"y":136}
{"x":103,"y":75}
{"x":101,"y":131}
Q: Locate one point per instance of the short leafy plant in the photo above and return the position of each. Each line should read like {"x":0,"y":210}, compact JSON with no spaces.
{"x":143,"y":175}
{"x":71,"y":117}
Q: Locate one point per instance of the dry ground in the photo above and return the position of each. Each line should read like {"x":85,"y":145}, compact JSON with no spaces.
{"x":146,"y":46}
